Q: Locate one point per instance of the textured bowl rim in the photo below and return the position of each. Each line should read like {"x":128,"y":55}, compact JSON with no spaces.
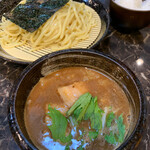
{"x":132,"y":139}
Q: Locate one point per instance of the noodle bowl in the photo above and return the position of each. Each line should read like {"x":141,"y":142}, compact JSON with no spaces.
{"x":65,"y":29}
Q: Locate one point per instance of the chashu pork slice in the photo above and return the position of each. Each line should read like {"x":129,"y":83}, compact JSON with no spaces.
{"x":71,"y":93}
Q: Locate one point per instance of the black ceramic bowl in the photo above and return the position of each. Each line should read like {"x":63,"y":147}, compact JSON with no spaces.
{"x":127,"y":19}
{"x":95,"y":4}
{"x":77,"y":57}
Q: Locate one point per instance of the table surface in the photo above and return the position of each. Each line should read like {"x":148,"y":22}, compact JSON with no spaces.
{"x":132,"y":49}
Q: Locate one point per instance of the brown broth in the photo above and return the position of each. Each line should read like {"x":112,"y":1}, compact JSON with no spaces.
{"x":45,"y":92}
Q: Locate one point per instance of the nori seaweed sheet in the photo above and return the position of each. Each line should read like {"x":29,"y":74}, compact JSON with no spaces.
{"x":31,"y":15}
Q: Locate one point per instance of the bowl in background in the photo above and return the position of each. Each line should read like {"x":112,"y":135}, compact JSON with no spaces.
{"x":106,"y":64}
{"x":126,"y":19}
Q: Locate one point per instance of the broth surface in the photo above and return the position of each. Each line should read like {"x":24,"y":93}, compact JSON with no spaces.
{"x":46,"y":91}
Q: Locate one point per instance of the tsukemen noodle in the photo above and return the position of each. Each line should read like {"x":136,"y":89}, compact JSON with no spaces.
{"x":66,"y":27}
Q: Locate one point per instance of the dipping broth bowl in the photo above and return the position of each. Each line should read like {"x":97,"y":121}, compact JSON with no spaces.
{"x":126,"y":19}
{"x":98,"y":61}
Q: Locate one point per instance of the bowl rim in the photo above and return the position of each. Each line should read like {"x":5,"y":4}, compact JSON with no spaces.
{"x":12,"y":119}
{"x":130,"y":9}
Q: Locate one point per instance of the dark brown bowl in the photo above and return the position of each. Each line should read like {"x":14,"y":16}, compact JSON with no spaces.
{"x":106,"y":64}
{"x":127,"y":19}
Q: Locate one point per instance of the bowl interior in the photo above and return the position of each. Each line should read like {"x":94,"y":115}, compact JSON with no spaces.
{"x":68,"y":58}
